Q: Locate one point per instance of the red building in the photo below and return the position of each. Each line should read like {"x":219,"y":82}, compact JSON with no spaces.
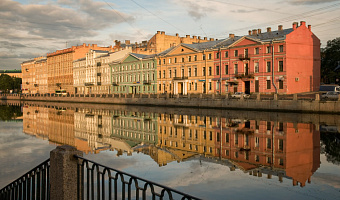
{"x":284,"y":61}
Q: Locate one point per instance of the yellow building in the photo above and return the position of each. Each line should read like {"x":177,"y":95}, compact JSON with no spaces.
{"x":34,"y":76}
{"x":186,"y":69}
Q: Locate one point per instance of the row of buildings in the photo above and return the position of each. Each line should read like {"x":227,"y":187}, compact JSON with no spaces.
{"x":282,"y":61}
{"x":283,"y":149}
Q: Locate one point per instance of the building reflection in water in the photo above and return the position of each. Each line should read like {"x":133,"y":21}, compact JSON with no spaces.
{"x":260,"y":148}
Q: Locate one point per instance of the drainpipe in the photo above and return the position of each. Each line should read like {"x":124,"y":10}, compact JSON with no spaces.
{"x":273,"y":80}
{"x":220,"y":53}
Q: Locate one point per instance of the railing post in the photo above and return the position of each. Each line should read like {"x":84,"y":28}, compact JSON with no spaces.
{"x":258,"y":96}
{"x":317,"y":97}
{"x":275,"y":97}
{"x":295,"y":97}
{"x":63,"y":173}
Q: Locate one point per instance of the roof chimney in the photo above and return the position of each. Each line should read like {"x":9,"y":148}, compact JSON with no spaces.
{"x":254,"y":32}
{"x":187,"y":36}
{"x":163,"y":32}
{"x":295,"y":24}
{"x":158,"y":32}
{"x":205,"y":38}
{"x":249,"y":32}
{"x":194,"y":37}
{"x":280,"y":28}
{"x":259,"y":31}
{"x":310,"y":27}
{"x":269,"y":29}
{"x":177,"y":34}
{"x":199,"y":37}
{"x":302,"y":23}
{"x":211,"y":39}
{"x":127,"y":41}
{"x":231,"y":35}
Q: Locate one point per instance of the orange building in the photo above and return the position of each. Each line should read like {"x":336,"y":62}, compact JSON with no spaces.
{"x":34,"y":76}
{"x":60,"y":66}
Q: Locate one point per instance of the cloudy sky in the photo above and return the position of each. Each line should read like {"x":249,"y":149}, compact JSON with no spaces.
{"x":32,"y":28}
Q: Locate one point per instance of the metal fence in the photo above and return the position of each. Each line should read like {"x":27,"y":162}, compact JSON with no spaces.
{"x":35,"y":184}
{"x":96,"y":181}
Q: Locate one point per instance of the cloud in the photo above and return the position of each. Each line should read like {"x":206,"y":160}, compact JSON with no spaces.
{"x":195,"y":9}
{"x":246,"y":11}
{"x":298,"y":2}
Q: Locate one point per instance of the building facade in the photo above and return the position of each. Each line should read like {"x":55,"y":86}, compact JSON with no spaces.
{"x":285,"y":61}
{"x":34,"y":76}
{"x":60,"y":66}
{"x":135,"y":74}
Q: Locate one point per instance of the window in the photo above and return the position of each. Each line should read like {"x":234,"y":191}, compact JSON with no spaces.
{"x":209,"y":73}
{"x":175,"y":60}
{"x":257,"y":141}
{"x":236,"y":138}
{"x":227,"y":137}
{"x":163,"y":73}
{"x":268,"y":49}
{"x":189,"y":72}
{"x":226,"y":69}
{"x":195,"y":71}
{"x":189,"y":59}
{"x":257,"y":50}
{"x":163,"y":62}
{"x":269,"y":143}
{"x":209,"y":85}
{"x":217,"y":55}
{"x":256,"y":66}
{"x":236,"y":53}
{"x":170,"y":75}
{"x":195,"y":57}
{"x":169,"y":60}
{"x":182,"y":59}
{"x":217,"y":85}
{"x":226,"y":54}
{"x":268,"y":66}
{"x":195,"y":86}
{"x":203,"y":57}
{"x":281,"y":48}
{"x":280,"y":126}
{"x":280,"y":144}
{"x":281,"y":66}
{"x":160,"y":62}
{"x":159,"y":74}
{"x":280,"y":84}
{"x":203,"y":71}
{"x":268,"y":126}
{"x":235,"y":68}
{"x":268,"y":84}
{"x":217,"y":70}
{"x":209,"y":56}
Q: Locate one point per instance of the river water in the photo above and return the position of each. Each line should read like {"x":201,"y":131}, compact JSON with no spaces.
{"x":211,"y":154}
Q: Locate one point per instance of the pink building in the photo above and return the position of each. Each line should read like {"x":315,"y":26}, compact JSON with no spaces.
{"x":284,"y":61}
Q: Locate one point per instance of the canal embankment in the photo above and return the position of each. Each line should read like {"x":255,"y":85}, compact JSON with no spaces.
{"x":275,"y":102}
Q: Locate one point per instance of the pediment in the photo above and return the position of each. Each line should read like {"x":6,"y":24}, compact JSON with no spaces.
{"x":244,"y":41}
{"x":181,"y":49}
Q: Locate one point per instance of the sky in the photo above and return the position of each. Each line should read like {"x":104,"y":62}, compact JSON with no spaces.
{"x":32,"y":28}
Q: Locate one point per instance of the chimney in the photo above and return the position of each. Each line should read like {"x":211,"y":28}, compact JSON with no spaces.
{"x":254,"y":32}
{"x":158,"y":32}
{"x":211,"y":39}
{"x":187,"y":36}
{"x":295,"y":24}
{"x":231,"y":35}
{"x":280,"y":28}
{"x":163,"y":32}
{"x":194,"y":37}
{"x":302,"y":23}
{"x":259,"y":31}
{"x":177,"y":34}
{"x":269,"y":29}
{"x":199,"y":37}
{"x":205,"y":38}
{"x":249,"y":32}
{"x":310,"y":27}
{"x":127,"y":41}
{"x":84,"y":45}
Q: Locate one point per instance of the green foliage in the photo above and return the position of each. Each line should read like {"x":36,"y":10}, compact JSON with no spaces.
{"x":10,"y":112}
{"x":331,"y":142}
{"x":9,"y":83}
{"x":330,"y":58}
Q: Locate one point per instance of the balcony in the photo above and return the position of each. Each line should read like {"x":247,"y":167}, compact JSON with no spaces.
{"x":180,"y":78}
{"x":99,"y":83}
{"x":246,"y":75}
{"x":88,"y":84}
{"x":244,"y":57}
{"x":147,"y":82}
{"x":115,"y":83}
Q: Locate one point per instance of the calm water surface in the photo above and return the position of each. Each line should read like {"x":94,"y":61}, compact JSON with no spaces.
{"x":210,"y":154}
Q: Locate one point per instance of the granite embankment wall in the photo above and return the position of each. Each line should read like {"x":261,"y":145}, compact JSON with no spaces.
{"x":311,"y":105}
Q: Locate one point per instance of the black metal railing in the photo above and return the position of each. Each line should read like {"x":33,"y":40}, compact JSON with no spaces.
{"x":96,"y":181}
{"x":35,"y":184}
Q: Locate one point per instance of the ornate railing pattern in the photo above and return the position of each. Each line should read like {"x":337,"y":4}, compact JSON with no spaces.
{"x":96,"y":181}
{"x":35,"y":184}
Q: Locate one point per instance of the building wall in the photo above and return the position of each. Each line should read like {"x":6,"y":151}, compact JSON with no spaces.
{"x":60,"y":66}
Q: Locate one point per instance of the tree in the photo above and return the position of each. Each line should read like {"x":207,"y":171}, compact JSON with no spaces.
{"x":330,"y":58}
{"x":6,"y":82}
